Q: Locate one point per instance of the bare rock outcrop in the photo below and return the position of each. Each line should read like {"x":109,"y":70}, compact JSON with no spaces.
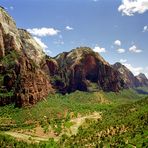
{"x":21,"y":78}
{"x":82,"y":69}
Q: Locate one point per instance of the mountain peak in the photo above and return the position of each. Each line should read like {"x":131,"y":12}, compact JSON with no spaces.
{"x":82,"y":49}
{"x":142,"y":75}
{"x":121,"y":68}
{"x":5,"y":18}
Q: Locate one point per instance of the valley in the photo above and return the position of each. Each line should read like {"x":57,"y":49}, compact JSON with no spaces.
{"x":66,"y":120}
{"x":72,"y":100}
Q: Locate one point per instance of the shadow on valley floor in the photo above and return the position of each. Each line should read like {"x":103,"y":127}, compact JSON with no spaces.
{"x":141,"y":91}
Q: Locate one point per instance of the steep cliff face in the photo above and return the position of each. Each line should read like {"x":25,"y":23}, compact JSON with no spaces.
{"x":9,"y":37}
{"x":127,"y":76}
{"x":142,"y":79}
{"x":30,"y":47}
{"x":83,"y":69}
{"x":21,"y":77}
{"x":27,"y":75}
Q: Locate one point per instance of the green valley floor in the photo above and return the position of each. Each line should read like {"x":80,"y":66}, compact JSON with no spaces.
{"x":79,"y":119}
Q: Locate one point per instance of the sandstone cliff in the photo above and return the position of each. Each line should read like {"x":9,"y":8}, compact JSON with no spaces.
{"x":142,"y":79}
{"x":82,"y":69}
{"x":130,"y":81}
{"x":21,"y":78}
{"x":27,"y":75}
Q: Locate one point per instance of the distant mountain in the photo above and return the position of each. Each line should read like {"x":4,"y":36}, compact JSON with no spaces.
{"x":85,"y":70}
{"x":27,"y":75}
{"x":130,"y":81}
{"x":142,"y":79}
{"x":22,"y":81}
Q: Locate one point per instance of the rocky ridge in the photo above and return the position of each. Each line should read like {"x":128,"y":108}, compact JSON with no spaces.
{"x":129,"y":80}
{"x":83,"y":69}
{"x":21,"y":77}
{"x":27,"y":75}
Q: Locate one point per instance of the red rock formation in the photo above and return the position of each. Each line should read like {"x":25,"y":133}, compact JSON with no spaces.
{"x":81,"y":67}
{"x":143,"y":81}
{"x":21,"y":78}
{"x":130,"y":81}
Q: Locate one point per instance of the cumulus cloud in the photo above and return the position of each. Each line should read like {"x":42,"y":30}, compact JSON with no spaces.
{"x":117,"y":43}
{"x":43,"y":45}
{"x":121,"y":50}
{"x":68,"y":28}
{"x":130,"y":7}
{"x":146,"y":71}
{"x":98,"y":49}
{"x":123,"y":60}
{"x":135,"y":70}
{"x":43,"y":31}
{"x":145,"y":28}
{"x":39,"y":41}
{"x":135,"y":49}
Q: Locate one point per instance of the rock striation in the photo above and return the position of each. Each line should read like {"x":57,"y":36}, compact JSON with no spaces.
{"x":129,"y":80}
{"x":21,"y":78}
{"x":83,"y":69}
{"x":27,"y":75}
{"x":143,"y":81}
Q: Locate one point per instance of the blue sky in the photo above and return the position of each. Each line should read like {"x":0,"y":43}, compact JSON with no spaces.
{"x":117,"y":29}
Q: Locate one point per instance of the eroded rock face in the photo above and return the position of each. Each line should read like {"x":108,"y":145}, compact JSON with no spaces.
{"x":21,"y":78}
{"x":82,"y":69}
{"x":30,"y":47}
{"x":127,"y":76}
{"x":33,"y":85}
{"x":142,"y":79}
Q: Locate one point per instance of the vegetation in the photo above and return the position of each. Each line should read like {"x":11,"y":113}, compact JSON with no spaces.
{"x":9,"y":59}
{"x":124,"y":120}
{"x":8,"y":65}
{"x":125,"y":126}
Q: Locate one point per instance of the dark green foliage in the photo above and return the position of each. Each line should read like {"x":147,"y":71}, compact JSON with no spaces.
{"x":9,"y":60}
{"x":127,"y":125}
{"x":8,"y":141}
{"x":126,"y":113}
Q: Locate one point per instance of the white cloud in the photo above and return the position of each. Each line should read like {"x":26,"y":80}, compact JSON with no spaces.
{"x":43,"y":45}
{"x":69,"y":28}
{"x":134,"y":70}
{"x":145,"y":28}
{"x":43,"y":31}
{"x":39,"y":41}
{"x":95,"y":0}
{"x":98,"y":49}
{"x":130,"y":7}
{"x":146,"y":71}
{"x":117,"y":43}
{"x":121,"y":50}
{"x":135,"y":49}
{"x":123,"y":60}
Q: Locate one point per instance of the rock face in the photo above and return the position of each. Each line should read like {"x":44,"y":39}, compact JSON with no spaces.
{"x":142,"y":79}
{"x":82,"y":69}
{"x":21,"y":78}
{"x":130,"y":81}
{"x":27,"y":75}
{"x":127,"y":76}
